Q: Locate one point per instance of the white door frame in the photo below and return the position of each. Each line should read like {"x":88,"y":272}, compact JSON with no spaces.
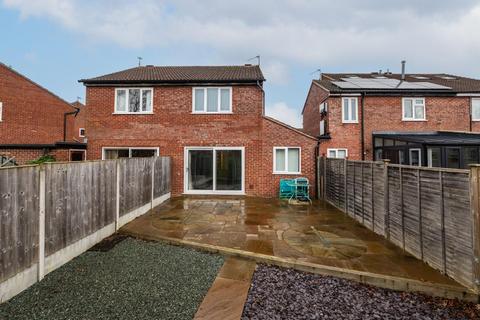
{"x":224,"y":192}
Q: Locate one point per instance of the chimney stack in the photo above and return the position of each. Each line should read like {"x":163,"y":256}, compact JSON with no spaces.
{"x":403,"y":69}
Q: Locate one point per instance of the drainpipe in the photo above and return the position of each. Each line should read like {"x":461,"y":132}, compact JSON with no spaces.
{"x":263,"y":97}
{"x":362,"y":126}
{"x":470,"y":114}
{"x":65,"y":122}
{"x":317,"y":176}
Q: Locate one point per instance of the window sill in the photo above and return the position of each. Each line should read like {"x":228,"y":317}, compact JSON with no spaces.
{"x":226,"y":112}
{"x":414,"y":120}
{"x":350,"y":122}
{"x":287,"y":173}
{"x":135,"y":113}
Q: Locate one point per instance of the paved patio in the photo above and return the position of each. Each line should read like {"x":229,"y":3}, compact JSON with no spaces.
{"x":318,"y":234}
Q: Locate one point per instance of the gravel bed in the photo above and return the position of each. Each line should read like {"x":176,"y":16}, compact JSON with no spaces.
{"x":279,"y":293}
{"x":133,"y":280}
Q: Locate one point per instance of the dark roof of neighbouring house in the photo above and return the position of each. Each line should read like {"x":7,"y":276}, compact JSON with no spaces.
{"x":440,"y":83}
{"x":182,"y":74}
{"x":432,"y":137}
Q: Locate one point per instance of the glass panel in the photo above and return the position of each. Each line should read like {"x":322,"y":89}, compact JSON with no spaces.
{"x":121,"y":100}
{"x":280,"y":160}
{"x":378,"y":155}
{"x":434,"y":157}
{"x":453,"y":157}
{"x":476,"y":109}
{"x":419,"y":101}
{"x":293,"y":160}
{"x":378,"y":142}
{"x":143,"y":153}
{"x":229,"y":169}
{"x":401,"y":157}
{"x":414,"y":157}
{"x":332,"y":154}
{"x":407,"y":109}
{"x":212,"y":100}
{"x":419,"y":112}
{"x":134,"y":100}
{"x":147,"y":100}
{"x":345,"y":110}
{"x":353,"y":109}
{"x":470,"y":156}
{"x":341,"y":153}
{"x":200,"y":170}
{"x":388,"y":142}
{"x":322,"y":127}
{"x":116,"y":153}
{"x":199,"y":100}
{"x":225,"y":99}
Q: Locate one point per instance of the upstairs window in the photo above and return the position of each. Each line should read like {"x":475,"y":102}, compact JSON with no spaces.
{"x":81,"y":132}
{"x":323,"y":107}
{"x":286,"y":160}
{"x":322,"y":127}
{"x":337,"y":153}
{"x":212,"y":100}
{"x":133,"y":100}
{"x":350,"y":110}
{"x":475,"y":109}
{"x":413,"y":109}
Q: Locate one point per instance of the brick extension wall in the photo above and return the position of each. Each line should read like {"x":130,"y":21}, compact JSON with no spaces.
{"x":172,"y":127}
{"x":22,"y":156}
{"x":382,"y":114}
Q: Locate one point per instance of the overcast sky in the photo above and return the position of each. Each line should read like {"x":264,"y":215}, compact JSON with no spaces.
{"x":57,"y":42}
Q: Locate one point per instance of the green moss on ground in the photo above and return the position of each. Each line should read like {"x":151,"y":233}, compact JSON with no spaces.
{"x":134,"y":280}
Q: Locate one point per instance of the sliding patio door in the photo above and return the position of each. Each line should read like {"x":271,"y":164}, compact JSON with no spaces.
{"x":214,"y":170}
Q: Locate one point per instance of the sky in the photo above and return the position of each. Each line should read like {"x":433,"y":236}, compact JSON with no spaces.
{"x":57,"y":42}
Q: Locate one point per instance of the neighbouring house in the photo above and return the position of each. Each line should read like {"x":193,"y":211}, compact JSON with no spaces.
{"x":208,"y":119}
{"x":415,"y":119}
{"x":33,"y":121}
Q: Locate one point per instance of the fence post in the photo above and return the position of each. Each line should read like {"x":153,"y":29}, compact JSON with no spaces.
{"x":117,"y":197}
{"x":385,"y":198}
{"x":153,"y":182}
{"x":442,"y":222}
{"x":41,"y":224}
{"x":325,"y":178}
{"x":345,"y":184}
{"x":475,"y":210}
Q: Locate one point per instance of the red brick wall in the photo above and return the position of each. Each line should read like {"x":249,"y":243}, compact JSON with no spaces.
{"x":31,"y":115}
{"x":385,"y":114}
{"x":172,"y":126}
{"x":79,"y":121}
{"x":311,"y":114}
{"x":22,"y":156}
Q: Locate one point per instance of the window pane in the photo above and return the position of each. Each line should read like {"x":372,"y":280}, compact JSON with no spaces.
{"x":401,"y":157}
{"x":280,"y":160}
{"x":212,"y":100}
{"x":378,"y":154}
{"x":476,"y":109}
{"x":407,"y":109}
{"x":143,"y":153}
{"x":200,"y":170}
{"x":341,"y":154}
{"x":434,"y":159}
{"x":229,"y":170}
{"x":332,"y":154}
{"x":134,"y":100}
{"x":346,"y":115}
{"x":322,"y":127}
{"x":453,"y":157}
{"x":419,"y":101}
{"x":121,"y":100}
{"x":116,"y":153}
{"x":199,"y":100}
{"x":419,"y":112}
{"x":225,"y":99}
{"x":147,"y":100}
{"x":293,"y":160}
{"x":414,"y":157}
{"x":353,"y":109}
{"x":470,"y":155}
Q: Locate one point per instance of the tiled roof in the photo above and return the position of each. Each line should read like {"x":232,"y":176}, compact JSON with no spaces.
{"x":182,"y":74}
{"x":457,"y":84}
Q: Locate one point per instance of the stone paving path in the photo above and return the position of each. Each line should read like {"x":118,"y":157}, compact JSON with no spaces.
{"x":318,"y":234}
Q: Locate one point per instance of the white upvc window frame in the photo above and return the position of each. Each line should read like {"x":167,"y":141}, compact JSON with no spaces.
{"x":322,"y":127}
{"x":414,"y":103}
{"x":80,"y":132}
{"x":104,"y":149}
{"x":1,"y":111}
{"x":275,"y":171}
{"x":204,"y":111}
{"x":127,"y":89}
{"x":336,"y":152}
{"x":471,"y":108}
{"x":349,"y":112}
{"x":419,"y":156}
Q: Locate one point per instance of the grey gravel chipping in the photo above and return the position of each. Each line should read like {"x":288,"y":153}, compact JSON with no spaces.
{"x":279,"y":293}
{"x":133,"y":280}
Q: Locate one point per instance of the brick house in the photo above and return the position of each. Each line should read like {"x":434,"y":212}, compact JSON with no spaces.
{"x":406,"y":118}
{"x":209,"y":120}
{"x":33,"y":121}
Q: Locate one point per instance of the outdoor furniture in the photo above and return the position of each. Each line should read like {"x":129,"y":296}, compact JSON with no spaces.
{"x":295,"y":189}
{"x":286,"y":190}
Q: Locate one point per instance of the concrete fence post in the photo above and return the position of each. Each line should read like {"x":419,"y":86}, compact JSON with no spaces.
{"x":475,"y":210}
{"x":41,"y":224}
{"x":153,"y":183}
{"x":117,"y":194}
{"x":386,"y":203}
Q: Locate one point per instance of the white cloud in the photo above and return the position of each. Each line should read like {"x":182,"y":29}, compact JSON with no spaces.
{"x":281,"y":111}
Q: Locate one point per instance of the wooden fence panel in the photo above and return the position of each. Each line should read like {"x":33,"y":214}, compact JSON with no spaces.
{"x":358,"y":191}
{"x":19,"y":194}
{"x":162,"y":176}
{"x":411,"y":211}
{"x":379,"y":198}
{"x":80,"y":199}
{"x":336,"y":183}
{"x":395,"y":212}
{"x":458,"y":226}
{"x":350,"y":196}
{"x":135,"y":183}
{"x":367,"y":195}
